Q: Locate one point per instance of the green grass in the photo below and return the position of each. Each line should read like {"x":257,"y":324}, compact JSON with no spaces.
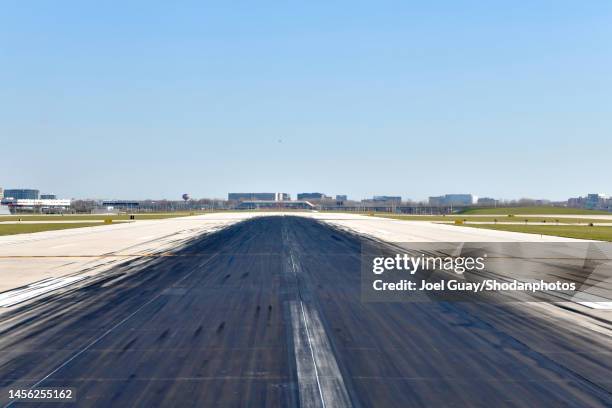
{"x":12,"y":229}
{"x":500,"y":219}
{"x":569,"y":231}
{"x":95,"y":217}
{"x":545,"y":210}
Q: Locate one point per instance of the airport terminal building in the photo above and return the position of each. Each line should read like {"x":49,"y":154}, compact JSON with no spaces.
{"x":258,"y":197}
{"x":312,"y":196}
{"x":38,"y":205}
{"x":275,"y":205}
{"x":28,"y":199}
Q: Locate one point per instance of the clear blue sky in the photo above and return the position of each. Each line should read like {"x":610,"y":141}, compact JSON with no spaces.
{"x":153,"y":99}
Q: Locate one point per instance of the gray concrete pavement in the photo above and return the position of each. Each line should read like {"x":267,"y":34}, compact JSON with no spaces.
{"x":267,"y":312}
{"x":394,"y":230}
{"x":28,"y":258}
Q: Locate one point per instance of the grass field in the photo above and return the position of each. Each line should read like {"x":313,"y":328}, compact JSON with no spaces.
{"x":12,"y":229}
{"x":568,"y":231}
{"x":93,"y":217}
{"x":533,"y":210}
{"x":499,"y":219}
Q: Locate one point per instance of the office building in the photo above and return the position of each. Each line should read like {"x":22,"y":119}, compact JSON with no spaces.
{"x":453,"y":199}
{"x":21,"y":194}
{"x":388,"y":199}
{"x":436,"y":201}
{"x":48,"y":197}
{"x":487,"y":201}
{"x":460,"y":199}
{"x":595,"y":201}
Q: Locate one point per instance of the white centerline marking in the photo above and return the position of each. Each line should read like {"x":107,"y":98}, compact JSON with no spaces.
{"x":312,"y":353}
{"x":305,"y":360}
{"x":317,"y":365}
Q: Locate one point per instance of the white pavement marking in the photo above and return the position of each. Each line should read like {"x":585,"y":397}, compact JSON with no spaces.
{"x":33,"y":290}
{"x":310,"y":391}
{"x":597,"y":305}
{"x":319,"y":378}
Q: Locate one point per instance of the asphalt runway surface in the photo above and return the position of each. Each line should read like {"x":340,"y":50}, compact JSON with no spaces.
{"x":267,"y":313}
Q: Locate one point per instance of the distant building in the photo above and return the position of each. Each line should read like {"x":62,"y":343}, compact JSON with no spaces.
{"x":21,"y":194}
{"x":453,"y":199}
{"x":388,"y":199}
{"x":120,"y":204}
{"x":595,"y":201}
{"x":341,"y":197}
{"x":461,"y":199}
{"x":381,"y":203}
{"x":275,"y":204}
{"x":28,"y":199}
{"x":487,"y":201}
{"x":312,"y":196}
{"x":436,"y":201}
{"x":38,"y":204}
{"x":4,"y":210}
{"x":258,"y":197}
{"x":575,"y":202}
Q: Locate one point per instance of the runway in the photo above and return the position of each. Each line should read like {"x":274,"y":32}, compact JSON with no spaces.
{"x":267,"y":313}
